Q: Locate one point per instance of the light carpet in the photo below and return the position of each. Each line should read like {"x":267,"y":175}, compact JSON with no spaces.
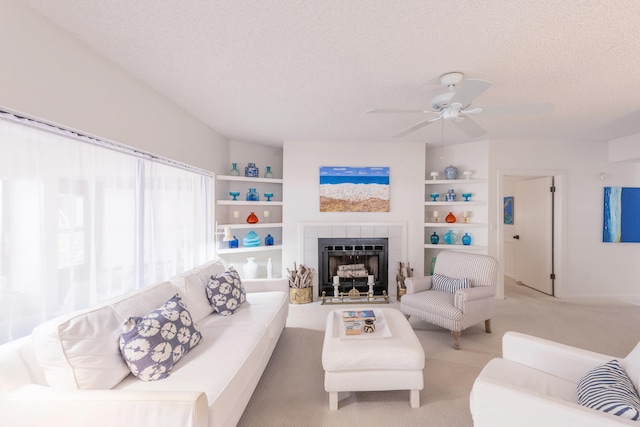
{"x":291,"y":391}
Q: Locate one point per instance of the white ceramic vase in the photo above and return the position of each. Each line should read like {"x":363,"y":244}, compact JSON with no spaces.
{"x":250,"y":269}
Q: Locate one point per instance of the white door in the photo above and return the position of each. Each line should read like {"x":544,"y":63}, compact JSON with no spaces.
{"x":533,"y":221}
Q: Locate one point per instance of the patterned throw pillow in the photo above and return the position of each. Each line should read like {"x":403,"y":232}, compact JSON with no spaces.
{"x":225,"y":292}
{"x":151,"y":345}
{"x":607,"y":388}
{"x":440,"y":282}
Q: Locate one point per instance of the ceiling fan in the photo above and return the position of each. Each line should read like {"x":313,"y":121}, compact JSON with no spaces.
{"x":455,"y":105}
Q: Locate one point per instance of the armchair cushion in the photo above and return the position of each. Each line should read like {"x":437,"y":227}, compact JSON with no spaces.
{"x":449,"y":284}
{"x":607,"y":388}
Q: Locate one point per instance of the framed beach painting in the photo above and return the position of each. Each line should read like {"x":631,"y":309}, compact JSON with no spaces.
{"x":621,"y":215}
{"x":354,"y":189}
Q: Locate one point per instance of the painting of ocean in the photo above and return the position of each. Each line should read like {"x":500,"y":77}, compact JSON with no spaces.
{"x":354,"y":189}
{"x":621,"y":215}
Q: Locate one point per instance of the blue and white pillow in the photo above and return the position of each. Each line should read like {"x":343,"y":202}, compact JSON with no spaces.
{"x":153,"y":344}
{"x":440,"y":282}
{"x":226,"y":292}
{"x":608,"y":388}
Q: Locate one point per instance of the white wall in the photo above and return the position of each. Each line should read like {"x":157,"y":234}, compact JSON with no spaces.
{"x":593,"y":268}
{"x":49,"y":75}
{"x":302,"y":162}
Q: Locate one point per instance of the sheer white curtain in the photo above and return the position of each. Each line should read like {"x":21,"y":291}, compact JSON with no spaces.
{"x":81,"y":223}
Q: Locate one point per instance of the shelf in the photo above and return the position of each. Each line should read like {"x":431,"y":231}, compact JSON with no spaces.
{"x":242,"y":250}
{"x":258,"y":225}
{"x":454,"y":181}
{"x":454,"y":225}
{"x":455,"y":247}
{"x":246,"y":203}
{"x":469,"y":203}
{"x":249,"y":179}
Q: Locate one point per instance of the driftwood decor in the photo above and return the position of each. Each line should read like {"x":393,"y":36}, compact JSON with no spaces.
{"x":300,"y":289}
{"x":403,"y":272}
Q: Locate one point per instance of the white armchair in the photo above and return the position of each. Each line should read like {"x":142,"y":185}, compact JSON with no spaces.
{"x":535,"y":384}
{"x":457,"y":310}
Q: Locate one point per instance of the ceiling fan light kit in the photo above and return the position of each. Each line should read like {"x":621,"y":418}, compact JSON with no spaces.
{"x":455,"y":106}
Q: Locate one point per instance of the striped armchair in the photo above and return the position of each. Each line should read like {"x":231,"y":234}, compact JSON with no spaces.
{"x":448,"y":306}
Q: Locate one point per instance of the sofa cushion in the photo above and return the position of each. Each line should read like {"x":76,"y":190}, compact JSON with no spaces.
{"x":80,"y":350}
{"x":607,"y":388}
{"x":153,"y":344}
{"x":225,"y":292}
{"x":440,"y":282}
{"x":192,"y":285}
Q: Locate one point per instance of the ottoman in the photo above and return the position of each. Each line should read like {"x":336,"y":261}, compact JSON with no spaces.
{"x":393,"y":360}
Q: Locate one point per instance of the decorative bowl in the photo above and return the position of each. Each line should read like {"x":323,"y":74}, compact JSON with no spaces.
{"x":466,"y":196}
{"x":234,"y":194}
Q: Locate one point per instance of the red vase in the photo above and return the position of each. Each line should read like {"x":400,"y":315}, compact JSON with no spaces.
{"x":450,"y":218}
{"x":252,"y":218}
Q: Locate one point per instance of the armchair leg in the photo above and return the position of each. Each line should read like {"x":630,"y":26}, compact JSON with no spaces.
{"x":456,"y":339}
{"x":487,"y":325}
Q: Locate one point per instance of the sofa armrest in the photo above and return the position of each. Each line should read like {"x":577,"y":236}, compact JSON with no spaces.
{"x":560,"y":360}
{"x":494,"y":403}
{"x":265,"y":285}
{"x":35,"y":405}
{"x":417,"y":284}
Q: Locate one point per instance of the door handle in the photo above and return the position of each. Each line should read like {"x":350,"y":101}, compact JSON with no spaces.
{"x":517,"y":237}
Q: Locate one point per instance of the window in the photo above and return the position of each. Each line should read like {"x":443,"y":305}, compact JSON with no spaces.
{"x":82,"y":222}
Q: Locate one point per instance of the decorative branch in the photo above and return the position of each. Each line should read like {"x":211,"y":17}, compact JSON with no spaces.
{"x":300,"y":277}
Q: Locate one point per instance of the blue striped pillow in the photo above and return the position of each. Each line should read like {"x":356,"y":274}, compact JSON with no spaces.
{"x":608,"y":388}
{"x":440,"y":282}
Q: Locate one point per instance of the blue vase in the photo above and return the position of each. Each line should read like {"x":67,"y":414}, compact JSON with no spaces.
{"x":435,"y":238}
{"x":233,"y":243}
{"x":268,"y":241}
{"x":450,"y":238}
{"x":450,"y":172}
{"x":466,"y":239}
{"x":252,"y":196}
{"x":251,"y":170}
{"x":234,"y":170}
{"x":251,"y":239}
{"x":450,"y":196}
{"x":268,"y":173}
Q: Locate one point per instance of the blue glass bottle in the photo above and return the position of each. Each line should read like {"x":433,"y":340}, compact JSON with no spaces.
{"x":450,"y":238}
{"x":268,"y":241}
{"x":435,"y":238}
{"x":466,"y":239}
{"x":233,"y":243}
{"x":252,"y":195}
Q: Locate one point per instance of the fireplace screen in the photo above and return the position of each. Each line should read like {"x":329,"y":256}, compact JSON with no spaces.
{"x":352,"y":263}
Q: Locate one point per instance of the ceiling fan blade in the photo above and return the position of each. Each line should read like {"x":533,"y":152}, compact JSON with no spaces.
{"x":398,"y":111}
{"x":417,"y":126}
{"x":469,"y":127}
{"x":468,"y":90}
{"x":546,"y":107}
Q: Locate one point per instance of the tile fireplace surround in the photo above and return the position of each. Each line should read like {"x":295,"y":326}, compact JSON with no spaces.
{"x":396,"y":232}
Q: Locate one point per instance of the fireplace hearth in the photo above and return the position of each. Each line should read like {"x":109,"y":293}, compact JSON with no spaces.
{"x":352,"y":263}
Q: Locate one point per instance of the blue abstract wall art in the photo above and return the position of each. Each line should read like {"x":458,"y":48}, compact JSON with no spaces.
{"x":508,"y":210}
{"x":621,"y":215}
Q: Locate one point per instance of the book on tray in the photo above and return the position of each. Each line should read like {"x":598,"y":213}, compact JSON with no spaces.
{"x":358,"y":315}
{"x":354,"y":320}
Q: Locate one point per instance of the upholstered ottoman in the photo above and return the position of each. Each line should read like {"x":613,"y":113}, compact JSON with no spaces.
{"x":390,"y":359}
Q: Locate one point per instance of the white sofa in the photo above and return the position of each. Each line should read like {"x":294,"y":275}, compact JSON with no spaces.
{"x":534,"y":384}
{"x":69,"y":372}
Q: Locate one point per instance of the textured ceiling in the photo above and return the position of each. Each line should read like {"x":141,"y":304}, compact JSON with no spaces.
{"x":271,"y":70}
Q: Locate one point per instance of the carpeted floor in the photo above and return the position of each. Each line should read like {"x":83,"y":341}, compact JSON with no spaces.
{"x":291,"y":391}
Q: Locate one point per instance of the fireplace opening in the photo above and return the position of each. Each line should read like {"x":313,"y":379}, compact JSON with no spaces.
{"x":352,"y":263}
